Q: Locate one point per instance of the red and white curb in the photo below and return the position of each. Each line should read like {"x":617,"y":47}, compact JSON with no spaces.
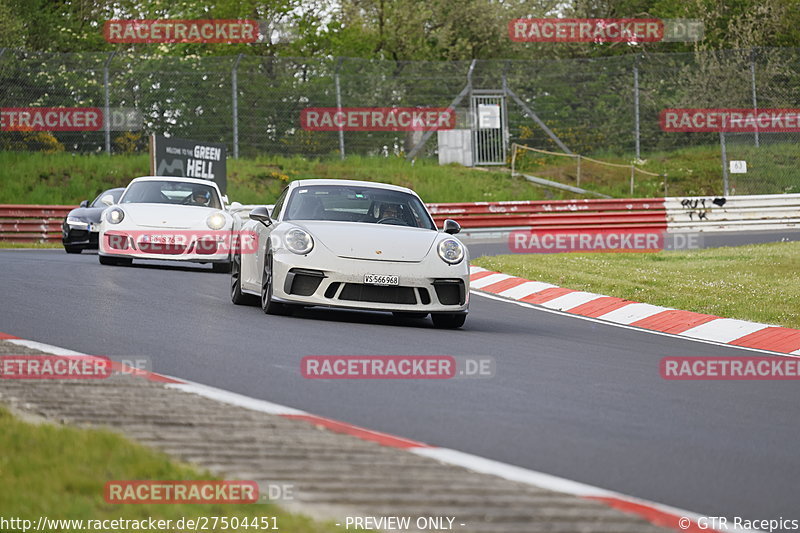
{"x":697,"y":326}
{"x":655,"y":513}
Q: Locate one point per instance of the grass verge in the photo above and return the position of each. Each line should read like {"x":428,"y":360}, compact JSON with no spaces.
{"x":62,"y":178}
{"x":60,"y":472}
{"x":42,"y":245}
{"x":759,"y":282}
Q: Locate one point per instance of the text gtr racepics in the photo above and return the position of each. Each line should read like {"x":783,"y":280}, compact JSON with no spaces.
{"x":353,"y":244}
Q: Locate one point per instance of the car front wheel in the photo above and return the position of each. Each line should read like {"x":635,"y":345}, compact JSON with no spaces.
{"x":237,"y":296}
{"x":267,"y":280}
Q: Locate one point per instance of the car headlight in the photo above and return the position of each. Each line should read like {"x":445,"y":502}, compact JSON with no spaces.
{"x":298,"y":241}
{"x":76,"y":222}
{"x":115,"y":215}
{"x":451,"y":251}
{"x":216,"y":221}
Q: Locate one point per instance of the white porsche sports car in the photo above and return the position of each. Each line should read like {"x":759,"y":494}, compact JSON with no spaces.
{"x":174,"y":218}
{"x":353,"y":244}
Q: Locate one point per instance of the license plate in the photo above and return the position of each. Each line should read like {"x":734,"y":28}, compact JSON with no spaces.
{"x":161,"y":239}
{"x":376,"y":279}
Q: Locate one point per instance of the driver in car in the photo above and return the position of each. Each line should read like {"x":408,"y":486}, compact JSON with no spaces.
{"x":200,"y":197}
{"x":389,"y":211}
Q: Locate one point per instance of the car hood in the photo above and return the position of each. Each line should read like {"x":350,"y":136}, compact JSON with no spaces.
{"x":89,"y":214}
{"x":376,"y":242}
{"x":167,"y":216}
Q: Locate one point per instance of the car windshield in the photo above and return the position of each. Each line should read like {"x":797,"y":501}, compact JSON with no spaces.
{"x":357,"y":204}
{"x":171,"y":192}
{"x":116,"y":193}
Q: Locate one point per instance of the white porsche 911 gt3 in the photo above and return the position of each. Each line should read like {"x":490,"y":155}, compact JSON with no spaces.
{"x":174,"y":218}
{"x":353,"y":244}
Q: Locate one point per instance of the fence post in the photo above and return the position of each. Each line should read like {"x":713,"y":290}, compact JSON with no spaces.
{"x":107,"y":109}
{"x":235,"y":104}
{"x":636,"y":104}
{"x":724,"y":163}
{"x":339,"y":104}
{"x":753,"y":89}
{"x":579,"y":171}
{"x":633,"y":177}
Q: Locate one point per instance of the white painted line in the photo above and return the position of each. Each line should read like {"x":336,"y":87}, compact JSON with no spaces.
{"x":526,"y":289}
{"x":488,"y":280}
{"x":632,"y":312}
{"x":231,"y":398}
{"x":48,"y":348}
{"x":542,"y":480}
{"x":723,"y":330}
{"x":571,"y":300}
{"x":476,"y":269}
{"x":537,"y":307}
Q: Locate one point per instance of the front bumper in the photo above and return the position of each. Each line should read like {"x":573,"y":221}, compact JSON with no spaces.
{"x":430,"y":286}
{"x":83,"y":238}
{"x":119,"y":243}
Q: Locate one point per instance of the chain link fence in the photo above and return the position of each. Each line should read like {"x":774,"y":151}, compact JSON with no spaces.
{"x":599,"y":107}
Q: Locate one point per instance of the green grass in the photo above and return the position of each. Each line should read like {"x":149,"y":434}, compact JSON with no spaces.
{"x":693,"y":171}
{"x":756,"y":282}
{"x":42,"y":245}
{"x":60,"y":472}
{"x":61,"y":178}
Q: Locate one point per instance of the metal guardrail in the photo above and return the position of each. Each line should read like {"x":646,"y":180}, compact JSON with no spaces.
{"x":42,"y":223}
{"x":32,"y":223}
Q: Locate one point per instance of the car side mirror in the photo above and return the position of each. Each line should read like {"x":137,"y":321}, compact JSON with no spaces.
{"x":84,"y":203}
{"x":262,"y":215}
{"x":107,"y":199}
{"x":451,"y":226}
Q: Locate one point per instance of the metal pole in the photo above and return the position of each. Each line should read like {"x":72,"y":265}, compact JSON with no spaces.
{"x":753,"y":89}
{"x":457,"y":100}
{"x":724,"y":163}
{"x":339,"y":105}
{"x":633,"y":176}
{"x":636,"y":104}
{"x":235,"y":104}
{"x":579,"y":171}
{"x":528,"y":111}
{"x":107,"y":109}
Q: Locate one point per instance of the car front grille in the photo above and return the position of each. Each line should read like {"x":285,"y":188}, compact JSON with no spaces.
{"x":358,"y":292}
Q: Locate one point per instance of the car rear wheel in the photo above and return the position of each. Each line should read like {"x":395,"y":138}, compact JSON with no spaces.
{"x":72,"y":249}
{"x":114,"y":261}
{"x":449,"y":320}
{"x":270,"y":307}
{"x":237,"y":296}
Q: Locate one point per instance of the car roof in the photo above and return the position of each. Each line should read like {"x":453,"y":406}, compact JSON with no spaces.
{"x":373,"y":184}
{"x":177,"y":179}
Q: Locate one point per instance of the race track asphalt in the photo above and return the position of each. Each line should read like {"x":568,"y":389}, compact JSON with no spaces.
{"x":570,"y":397}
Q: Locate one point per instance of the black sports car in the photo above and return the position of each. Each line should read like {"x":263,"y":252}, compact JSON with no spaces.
{"x":79,"y":230}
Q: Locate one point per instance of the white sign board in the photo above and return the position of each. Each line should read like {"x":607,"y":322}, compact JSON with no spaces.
{"x":738,"y":167}
{"x":489,"y":116}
